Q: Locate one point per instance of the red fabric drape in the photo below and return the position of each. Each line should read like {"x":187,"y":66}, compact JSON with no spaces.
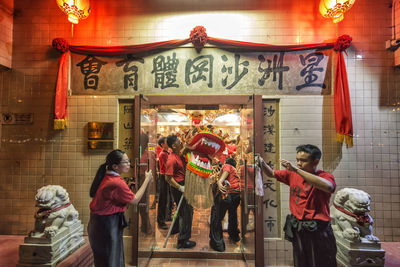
{"x":60,"y":102}
{"x":128,"y":49}
{"x":247,"y":46}
{"x":344,"y":122}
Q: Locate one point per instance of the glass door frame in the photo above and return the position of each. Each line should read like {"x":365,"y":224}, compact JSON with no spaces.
{"x":207,"y":100}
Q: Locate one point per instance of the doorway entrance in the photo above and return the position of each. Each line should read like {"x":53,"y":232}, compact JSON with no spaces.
{"x":236,"y":117}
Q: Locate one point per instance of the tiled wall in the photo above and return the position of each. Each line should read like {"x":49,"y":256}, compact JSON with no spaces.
{"x":34,"y":155}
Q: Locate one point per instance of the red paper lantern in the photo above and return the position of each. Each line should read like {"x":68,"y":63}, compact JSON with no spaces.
{"x":75,"y":9}
{"x":335,"y":9}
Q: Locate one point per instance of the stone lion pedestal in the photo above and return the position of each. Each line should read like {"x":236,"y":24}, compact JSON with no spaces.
{"x":353,"y":229}
{"x":58,"y":232}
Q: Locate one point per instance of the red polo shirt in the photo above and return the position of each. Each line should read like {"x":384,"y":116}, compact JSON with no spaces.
{"x":162,"y":160}
{"x":232,"y":178}
{"x":306,"y":202}
{"x":112,"y":196}
{"x":176,"y":167}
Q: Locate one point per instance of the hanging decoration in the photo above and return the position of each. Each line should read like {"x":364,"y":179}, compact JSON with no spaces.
{"x":342,"y":104}
{"x":76,"y":10}
{"x":344,"y":126}
{"x":335,"y":9}
{"x":198,"y":37}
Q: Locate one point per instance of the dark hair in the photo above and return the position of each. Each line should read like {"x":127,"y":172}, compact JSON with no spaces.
{"x":171,"y":139}
{"x":161,"y":140}
{"x":314,"y":151}
{"x":114,"y":157}
{"x":230,"y":161}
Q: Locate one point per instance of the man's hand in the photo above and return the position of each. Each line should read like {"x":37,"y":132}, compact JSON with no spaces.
{"x":181,"y":188}
{"x":221,"y":188}
{"x":288,"y":165}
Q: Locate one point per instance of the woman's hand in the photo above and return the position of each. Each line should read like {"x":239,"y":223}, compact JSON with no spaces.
{"x":149,"y":176}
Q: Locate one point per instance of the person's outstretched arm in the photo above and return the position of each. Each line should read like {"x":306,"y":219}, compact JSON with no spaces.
{"x":142,"y":189}
{"x":265,"y":167}
{"x":310,"y":178}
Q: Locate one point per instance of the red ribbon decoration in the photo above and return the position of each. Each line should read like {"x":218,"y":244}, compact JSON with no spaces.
{"x":45,"y":213}
{"x":198,"y":36}
{"x":361,"y":219}
{"x":342,"y":104}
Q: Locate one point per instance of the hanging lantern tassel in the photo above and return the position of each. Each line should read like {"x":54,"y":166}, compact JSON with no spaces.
{"x":335,"y":9}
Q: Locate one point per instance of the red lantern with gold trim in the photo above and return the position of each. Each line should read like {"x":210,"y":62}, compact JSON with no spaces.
{"x":75,"y":9}
{"x":335,"y":9}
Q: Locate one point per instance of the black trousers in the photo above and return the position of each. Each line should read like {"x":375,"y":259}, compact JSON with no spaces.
{"x":218,"y":211}
{"x":185,"y":216}
{"x":106,"y":239}
{"x":314,"y":248}
{"x":164,"y":201}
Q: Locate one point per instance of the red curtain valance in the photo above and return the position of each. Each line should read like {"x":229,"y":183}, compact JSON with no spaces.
{"x":199,"y":38}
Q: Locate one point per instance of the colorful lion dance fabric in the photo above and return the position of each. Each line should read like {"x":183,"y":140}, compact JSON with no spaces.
{"x":205,"y":143}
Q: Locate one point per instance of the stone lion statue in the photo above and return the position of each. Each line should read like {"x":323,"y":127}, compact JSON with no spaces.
{"x":55,"y":211}
{"x":350,"y":218}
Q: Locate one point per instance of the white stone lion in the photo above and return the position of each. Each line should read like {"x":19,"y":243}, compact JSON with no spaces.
{"x":350,"y":218}
{"x":55,"y":211}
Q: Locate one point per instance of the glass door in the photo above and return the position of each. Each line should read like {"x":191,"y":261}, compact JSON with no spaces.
{"x":246,"y":160}
{"x":145,"y":160}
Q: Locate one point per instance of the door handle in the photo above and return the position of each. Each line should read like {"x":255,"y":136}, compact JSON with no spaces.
{"x":246,"y":200}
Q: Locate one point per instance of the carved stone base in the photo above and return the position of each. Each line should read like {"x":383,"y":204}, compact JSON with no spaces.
{"x":50,"y":251}
{"x":351,"y":254}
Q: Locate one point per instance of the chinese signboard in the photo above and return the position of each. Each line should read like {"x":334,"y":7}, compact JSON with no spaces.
{"x":213,"y":71}
{"x":271,"y":201}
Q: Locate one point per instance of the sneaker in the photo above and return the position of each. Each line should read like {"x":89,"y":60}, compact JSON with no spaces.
{"x":186,"y":244}
{"x":217,"y":248}
{"x":235,"y":239}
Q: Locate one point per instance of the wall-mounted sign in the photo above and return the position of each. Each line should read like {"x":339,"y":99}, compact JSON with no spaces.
{"x":16,"y":118}
{"x":183,"y":71}
{"x":100,"y":135}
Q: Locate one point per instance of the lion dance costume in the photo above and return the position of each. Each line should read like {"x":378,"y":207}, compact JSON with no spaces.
{"x":205,"y":143}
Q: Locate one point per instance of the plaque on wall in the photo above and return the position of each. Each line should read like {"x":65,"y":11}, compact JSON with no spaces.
{"x":100,"y":135}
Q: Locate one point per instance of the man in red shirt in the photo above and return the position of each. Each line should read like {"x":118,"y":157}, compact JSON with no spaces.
{"x":175,"y":175}
{"x":226,"y":199}
{"x":308,"y":227}
{"x":164,"y":186}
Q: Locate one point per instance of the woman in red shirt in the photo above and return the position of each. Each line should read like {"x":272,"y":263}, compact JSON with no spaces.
{"x":110,"y":196}
{"x":226,"y":199}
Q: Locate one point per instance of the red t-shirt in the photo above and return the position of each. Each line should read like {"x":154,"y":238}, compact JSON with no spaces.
{"x":158,"y":151}
{"x":250,"y":177}
{"x":112,"y":196}
{"x":231,"y":149}
{"x":306,"y":202}
{"x":232,"y":178}
{"x":162,"y":160}
{"x":176,"y":167}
